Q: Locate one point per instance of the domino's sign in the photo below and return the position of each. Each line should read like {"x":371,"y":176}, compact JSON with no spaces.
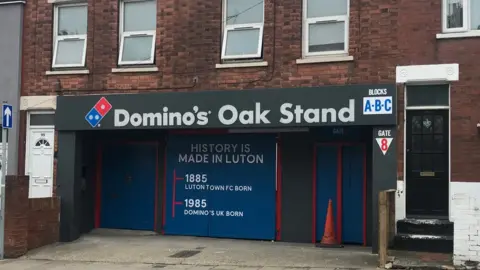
{"x":98,"y":112}
{"x":340,"y":105}
{"x":377,"y":102}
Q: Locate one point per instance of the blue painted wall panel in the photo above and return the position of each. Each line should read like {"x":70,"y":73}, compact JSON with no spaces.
{"x":327,"y":157}
{"x":352,"y":194}
{"x":128,"y":186}
{"x":141,"y":186}
{"x":225,"y":185}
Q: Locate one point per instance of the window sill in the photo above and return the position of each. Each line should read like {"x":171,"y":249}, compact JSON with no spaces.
{"x":67,"y":72}
{"x":324,"y":59}
{"x":134,"y":69}
{"x":458,"y":35}
{"x":63,"y":1}
{"x":242,"y":65}
{"x":12,"y":2}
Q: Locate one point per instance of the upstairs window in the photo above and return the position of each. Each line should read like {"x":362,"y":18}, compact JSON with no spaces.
{"x":138,"y":25}
{"x":242,"y":29}
{"x":461,"y":16}
{"x":70,"y":35}
{"x":325,"y":27}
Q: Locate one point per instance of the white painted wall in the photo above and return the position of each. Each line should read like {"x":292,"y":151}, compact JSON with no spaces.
{"x":1,"y":159}
{"x":400,"y":201}
{"x":465,"y":213}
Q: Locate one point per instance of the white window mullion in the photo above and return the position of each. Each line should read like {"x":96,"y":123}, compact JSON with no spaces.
{"x":260,"y":42}
{"x":327,"y":19}
{"x":466,"y":14}
{"x":120,"y":52}
{"x":347,"y":35}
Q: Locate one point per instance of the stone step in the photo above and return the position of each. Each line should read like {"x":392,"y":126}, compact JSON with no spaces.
{"x":425,"y":227}
{"x":425,"y":243}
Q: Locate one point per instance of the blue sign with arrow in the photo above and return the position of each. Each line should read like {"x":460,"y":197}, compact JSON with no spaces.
{"x":7,"y":112}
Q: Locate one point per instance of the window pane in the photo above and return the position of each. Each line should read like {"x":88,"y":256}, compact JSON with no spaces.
{"x":244,"y":11}
{"x":69,"y":52}
{"x":323,"y":8}
{"x":427,"y":124}
{"x":137,"y":48}
{"x":475,"y":14}
{"x":242,"y":42}
{"x":140,"y":16}
{"x":438,"y":124}
{"x":425,"y":95}
{"x":416,"y":124}
{"x":42,"y":119}
{"x":454,"y":10}
{"x":324,"y":37}
{"x":72,"y":20}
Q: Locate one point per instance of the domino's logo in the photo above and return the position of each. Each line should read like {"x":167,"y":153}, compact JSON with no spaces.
{"x":98,"y":112}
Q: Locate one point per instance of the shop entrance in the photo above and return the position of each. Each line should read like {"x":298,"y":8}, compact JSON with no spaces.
{"x":427,"y":152}
{"x":128,"y":184}
{"x":341,"y":177}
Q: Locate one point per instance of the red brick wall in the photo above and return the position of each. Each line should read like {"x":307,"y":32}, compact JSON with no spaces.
{"x":22,"y":136}
{"x":16,"y":216}
{"x":383,"y":34}
{"x":43,"y":222}
{"x":186,"y":49}
{"x":29,"y":223}
{"x":419,"y":22}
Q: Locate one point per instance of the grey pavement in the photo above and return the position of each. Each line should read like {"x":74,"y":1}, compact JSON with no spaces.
{"x":56,"y":265}
{"x":105,"y":249}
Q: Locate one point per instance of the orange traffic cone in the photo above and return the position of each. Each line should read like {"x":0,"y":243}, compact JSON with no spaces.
{"x":329,"y":239}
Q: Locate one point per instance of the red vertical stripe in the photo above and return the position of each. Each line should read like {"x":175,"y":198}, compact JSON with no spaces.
{"x":314,"y":194}
{"x":339,"y":194}
{"x":364,"y":195}
{"x":98,"y":182}
{"x":156,"y":188}
{"x":279,"y":190}
{"x":173,"y":192}
{"x":164,"y":212}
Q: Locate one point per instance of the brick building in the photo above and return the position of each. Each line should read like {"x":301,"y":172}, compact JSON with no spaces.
{"x":82,"y":58}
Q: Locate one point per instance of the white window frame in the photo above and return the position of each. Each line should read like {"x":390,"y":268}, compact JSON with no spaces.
{"x":57,"y":38}
{"x":328,"y":19}
{"x":233,"y":27}
{"x":466,"y":17}
{"x":123,"y":35}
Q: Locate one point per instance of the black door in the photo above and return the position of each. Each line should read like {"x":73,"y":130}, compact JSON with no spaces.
{"x":427,"y":163}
